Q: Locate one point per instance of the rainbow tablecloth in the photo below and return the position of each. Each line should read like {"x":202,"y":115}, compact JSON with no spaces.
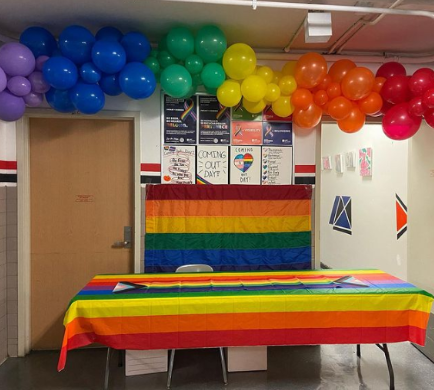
{"x":245,"y":309}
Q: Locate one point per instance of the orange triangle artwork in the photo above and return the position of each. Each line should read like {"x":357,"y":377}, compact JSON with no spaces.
{"x":401,"y":217}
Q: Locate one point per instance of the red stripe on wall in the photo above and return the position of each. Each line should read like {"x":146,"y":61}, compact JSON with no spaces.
{"x":305,"y":169}
{"x":12,"y":165}
{"x":151,"y":167}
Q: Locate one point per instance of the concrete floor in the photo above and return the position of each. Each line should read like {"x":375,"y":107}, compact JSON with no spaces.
{"x":325,"y":367}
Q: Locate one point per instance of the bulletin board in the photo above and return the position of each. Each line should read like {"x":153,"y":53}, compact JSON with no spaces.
{"x":225,"y":145}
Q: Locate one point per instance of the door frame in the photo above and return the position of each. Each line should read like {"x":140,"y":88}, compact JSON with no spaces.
{"x":23,"y":193}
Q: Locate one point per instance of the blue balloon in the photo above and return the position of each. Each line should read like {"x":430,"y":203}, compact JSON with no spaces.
{"x":109,"y":34}
{"x":59,"y":100}
{"x":136,"y":46}
{"x":109,"y":83}
{"x":76,"y":43}
{"x":109,"y":56}
{"x":60,"y":73}
{"x":137,"y":81}
{"x":90,"y":73}
{"x":39,"y":40}
{"x":87,"y":98}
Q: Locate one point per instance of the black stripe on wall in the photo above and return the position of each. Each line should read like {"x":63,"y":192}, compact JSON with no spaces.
{"x":150,"y":179}
{"x":8,"y":177}
{"x":304,"y":180}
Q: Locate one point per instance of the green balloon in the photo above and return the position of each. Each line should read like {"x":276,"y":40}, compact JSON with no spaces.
{"x":176,"y":81}
{"x":180,"y":42}
{"x":165,"y":59}
{"x":162,"y":45}
{"x":213,"y":75}
{"x":191,"y":92}
{"x":212,"y":91}
{"x":197,"y":80}
{"x":152,"y":64}
{"x":194,"y":64}
{"x":154,"y":53}
{"x":210,"y":43}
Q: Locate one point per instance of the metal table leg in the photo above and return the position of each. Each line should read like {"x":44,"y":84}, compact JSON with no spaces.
{"x":107,"y":369}
{"x":389,"y":365}
{"x":358,"y":351}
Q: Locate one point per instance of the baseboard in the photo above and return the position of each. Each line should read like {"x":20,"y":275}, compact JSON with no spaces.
{"x":428,"y":350}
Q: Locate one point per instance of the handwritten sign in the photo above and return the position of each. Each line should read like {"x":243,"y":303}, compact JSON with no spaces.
{"x":212,"y":165}
{"x":179,"y":165}
{"x":245,"y":165}
{"x":85,"y":198}
{"x":276,"y":165}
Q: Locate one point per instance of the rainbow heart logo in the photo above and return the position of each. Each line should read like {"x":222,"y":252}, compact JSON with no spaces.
{"x":243,"y":161}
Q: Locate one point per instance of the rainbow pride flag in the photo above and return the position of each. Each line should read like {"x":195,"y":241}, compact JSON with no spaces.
{"x":222,"y":309}
{"x":229,"y":227}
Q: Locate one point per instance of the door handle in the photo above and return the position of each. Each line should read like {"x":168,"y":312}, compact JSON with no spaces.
{"x":121,"y":244}
{"x":126,"y":243}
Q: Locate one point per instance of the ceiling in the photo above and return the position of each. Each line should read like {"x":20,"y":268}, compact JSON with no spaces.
{"x":268,"y":29}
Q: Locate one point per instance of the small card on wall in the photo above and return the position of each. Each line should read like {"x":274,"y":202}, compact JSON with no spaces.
{"x":339,"y":161}
{"x":246,"y":133}
{"x":326,"y":163}
{"x":276,"y":165}
{"x":179,"y":165}
{"x":212,"y":165}
{"x":350,"y":159}
{"x":245,"y":164}
{"x":365,"y":162}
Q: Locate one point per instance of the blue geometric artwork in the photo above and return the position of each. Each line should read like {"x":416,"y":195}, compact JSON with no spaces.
{"x":340,"y":217}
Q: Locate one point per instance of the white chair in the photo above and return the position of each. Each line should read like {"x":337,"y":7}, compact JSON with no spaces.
{"x":195,"y":268}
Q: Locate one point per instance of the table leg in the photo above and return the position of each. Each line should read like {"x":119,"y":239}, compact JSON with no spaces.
{"x":358,"y":350}
{"x":169,"y":374}
{"x":389,"y":365}
{"x":107,"y":369}
{"x":121,"y":358}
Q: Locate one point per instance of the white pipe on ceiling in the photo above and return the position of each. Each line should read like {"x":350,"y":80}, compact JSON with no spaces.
{"x":312,"y":7}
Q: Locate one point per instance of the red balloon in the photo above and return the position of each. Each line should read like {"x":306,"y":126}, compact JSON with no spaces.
{"x":421,"y":81}
{"x":390,"y":69}
{"x":386,"y":107}
{"x":428,"y":98}
{"x":398,"y":124}
{"x":429,"y":117}
{"x":395,"y":90}
{"x":416,"y":106}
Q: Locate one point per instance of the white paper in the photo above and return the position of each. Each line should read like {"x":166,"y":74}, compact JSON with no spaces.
{"x":276,"y":165}
{"x":212,"y":164}
{"x":179,"y":165}
{"x":245,"y":165}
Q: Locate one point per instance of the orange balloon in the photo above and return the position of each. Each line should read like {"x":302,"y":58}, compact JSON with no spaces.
{"x":302,"y":98}
{"x":353,"y":122}
{"x":357,"y":83}
{"x":320,"y":98}
{"x":339,"y":69}
{"x":378,"y":84}
{"x":310,"y":70}
{"x":334,"y":90}
{"x":325,"y":109}
{"x":339,"y":108}
{"x":309,"y":118}
{"x":371,"y":104}
{"x":326,"y":81}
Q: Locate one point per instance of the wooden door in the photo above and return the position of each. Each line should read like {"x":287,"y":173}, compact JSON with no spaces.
{"x":82,"y":196}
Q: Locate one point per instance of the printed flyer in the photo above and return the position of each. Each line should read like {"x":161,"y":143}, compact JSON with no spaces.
{"x":246,"y":133}
{"x":214,"y":121}
{"x":277,"y":133}
{"x":180,"y":120}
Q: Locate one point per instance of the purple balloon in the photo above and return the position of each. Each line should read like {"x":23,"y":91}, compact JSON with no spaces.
{"x":19,"y":86}
{"x":39,"y":85}
{"x":11,"y":107}
{"x":34,"y":99}
{"x":40,"y":61}
{"x":3,"y":80}
{"x":16,"y":59}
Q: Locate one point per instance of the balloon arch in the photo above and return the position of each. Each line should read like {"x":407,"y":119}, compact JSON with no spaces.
{"x":78,"y":70}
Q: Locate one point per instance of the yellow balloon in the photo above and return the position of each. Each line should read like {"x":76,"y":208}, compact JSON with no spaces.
{"x":229,"y":93}
{"x":289,"y":68}
{"x":277,"y":76}
{"x":273,"y":92}
{"x":282,"y":107}
{"x":239,"y":61}
{"x":266,"y":73}
{"x":254,"y":88}
{"x":287,"y":85}
{"x":254,"y":107}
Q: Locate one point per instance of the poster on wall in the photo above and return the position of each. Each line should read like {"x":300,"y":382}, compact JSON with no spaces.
{"x":326,"y":163}
{"x":214,"y":121}
{"x":269,"y":115}
{"x":276,"y":165}
{"x":180,"y":120}
{"x":212,"y":164}
{"x":277,"y":133}
{"x":350,"y":159}
{"x":365,"y":162}
{"x":339,"y":162}
{"x":178,"y":165}
{"x":239,"y":113}
{"x":246,"y":133}
{"x":245,"y":165}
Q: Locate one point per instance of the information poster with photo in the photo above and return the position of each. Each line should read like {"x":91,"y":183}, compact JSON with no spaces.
{"x":277,"y":133}
{"x":269,"y":115}
{"x":276,"y":165}
{"x":239,"y":113}
{"x":245,"y":165}
{"x":246,"y":133}
{"x":180,"y":120}
{"x":214,"y":121}
{"x":212,"y":164}
{"x":178,"y":165}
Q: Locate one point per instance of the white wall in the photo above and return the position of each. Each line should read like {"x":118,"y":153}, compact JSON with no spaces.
{"x":421,"y":209}
{"x":373,"y":243}
{"x":7,"y":141}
